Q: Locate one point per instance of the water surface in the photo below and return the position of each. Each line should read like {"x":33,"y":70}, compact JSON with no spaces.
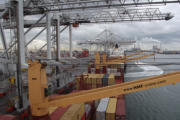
{"x":161,"y":103}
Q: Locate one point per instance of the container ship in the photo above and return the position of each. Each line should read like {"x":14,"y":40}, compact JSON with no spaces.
{"x":48,"y":83}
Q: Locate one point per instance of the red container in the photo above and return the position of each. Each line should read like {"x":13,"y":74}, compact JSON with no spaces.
{"x":58,"y":113}
{"x":118,"y":69}
{"x":89,"y":69}
{"x":61,"y":91}
{"x":70,"y":84}
{"x":117,"y":77}
{"x":92,"y":112}
{"x":2,"y":94}
{"x":7,"y":117}
{"x":118,"y":81}
{"x":120,"y":109}
{"x":81,"y":83}
{"x":97,"y":71}
{"x":74,"y":91}
{"x":98,"y":85}
{"x":121,"y":97}
{"x":92,"y":66}
{"x":84,"y":116}
{"x":104,"y":71}
{"x":122,"y":78}
{"x":89,"y":86}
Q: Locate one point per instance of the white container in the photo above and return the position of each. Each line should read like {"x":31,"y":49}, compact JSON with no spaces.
{"x":87,"y":109}
{"x":93,"y":70}
{"x":117,"y":74}
{"x":101,"y":110}
{"x":108,"y":70}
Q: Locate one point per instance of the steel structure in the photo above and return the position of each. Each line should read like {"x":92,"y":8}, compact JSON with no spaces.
{"x":105,"y":15}
{"x":42,"y":6}
{"x":107,"y":40}
{"x":102,"y":16}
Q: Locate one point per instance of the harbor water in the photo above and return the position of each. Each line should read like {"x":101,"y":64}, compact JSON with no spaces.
{"x":161,"y":103}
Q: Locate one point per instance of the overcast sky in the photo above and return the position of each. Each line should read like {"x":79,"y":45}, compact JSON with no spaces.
{"x":167,"y":32}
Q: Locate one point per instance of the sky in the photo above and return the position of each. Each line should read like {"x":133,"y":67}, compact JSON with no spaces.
{"x":146,"y":33}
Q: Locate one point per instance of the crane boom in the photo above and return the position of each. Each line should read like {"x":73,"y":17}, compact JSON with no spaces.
{"x":132,"y":55}
{"x":39,"y":103}
{"x":114,"y":90}
{"x":119,"y":60}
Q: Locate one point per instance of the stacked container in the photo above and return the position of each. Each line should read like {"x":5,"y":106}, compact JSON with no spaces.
{"x":87,"y":109}
{"x":101,"y":110}
{"x":111,"y":80}
{"x":56,"y":114}
{"x":77,"y":79}
{"x":111,"y":109}
{"x":105,"y":80}
{"x":120,"y":111}
{"x":88,"y":82}
{"x":75,"y":112}
{"x":120,"y":107}
{"x":93,"y":70}
{"x":99,"y":80}
{"x":91,"y":81}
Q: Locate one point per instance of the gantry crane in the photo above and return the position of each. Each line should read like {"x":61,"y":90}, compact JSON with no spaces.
{"x":40,"y":103}
{"x":107,"y":39}
{"x":102,"y":16}
{"x":42,"y":6}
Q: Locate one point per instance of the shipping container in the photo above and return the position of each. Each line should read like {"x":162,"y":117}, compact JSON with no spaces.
{"x":84,"y":116}
{"x":92,"y":111}
{"x":111,"y":109}
{"x":120,"y":97}
{"x":57,"y":113}
{"x":117,"y":74}
{"x":89,"y":81}
{"x":120,"y":109}
{"x":111,"y":79}
{"x":96,"y":103}
{"x":101,"y":110}
{"x":93,"y":70}
{"x":75,"y":112}
{"x":99,"y":78}
{"x":117,"y":77}
{"x":105,"y":80}
{"x":93,"y":79}
{"x":77,"y":82}
{"x":87,"y":109}
{"x":8,"y":117}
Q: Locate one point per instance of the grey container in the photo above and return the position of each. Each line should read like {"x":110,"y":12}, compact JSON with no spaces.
{"x":101,"y":110}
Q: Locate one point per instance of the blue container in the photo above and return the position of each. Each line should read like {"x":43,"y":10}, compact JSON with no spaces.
{"x":105,"y":80}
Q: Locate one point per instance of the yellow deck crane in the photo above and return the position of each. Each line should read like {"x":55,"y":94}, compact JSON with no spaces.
{"x":127,"y":56}
{"x":123,"y":60}
{"x":40,"y":103}
{"x":131,"y":55}
{"x":118,"y":60}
